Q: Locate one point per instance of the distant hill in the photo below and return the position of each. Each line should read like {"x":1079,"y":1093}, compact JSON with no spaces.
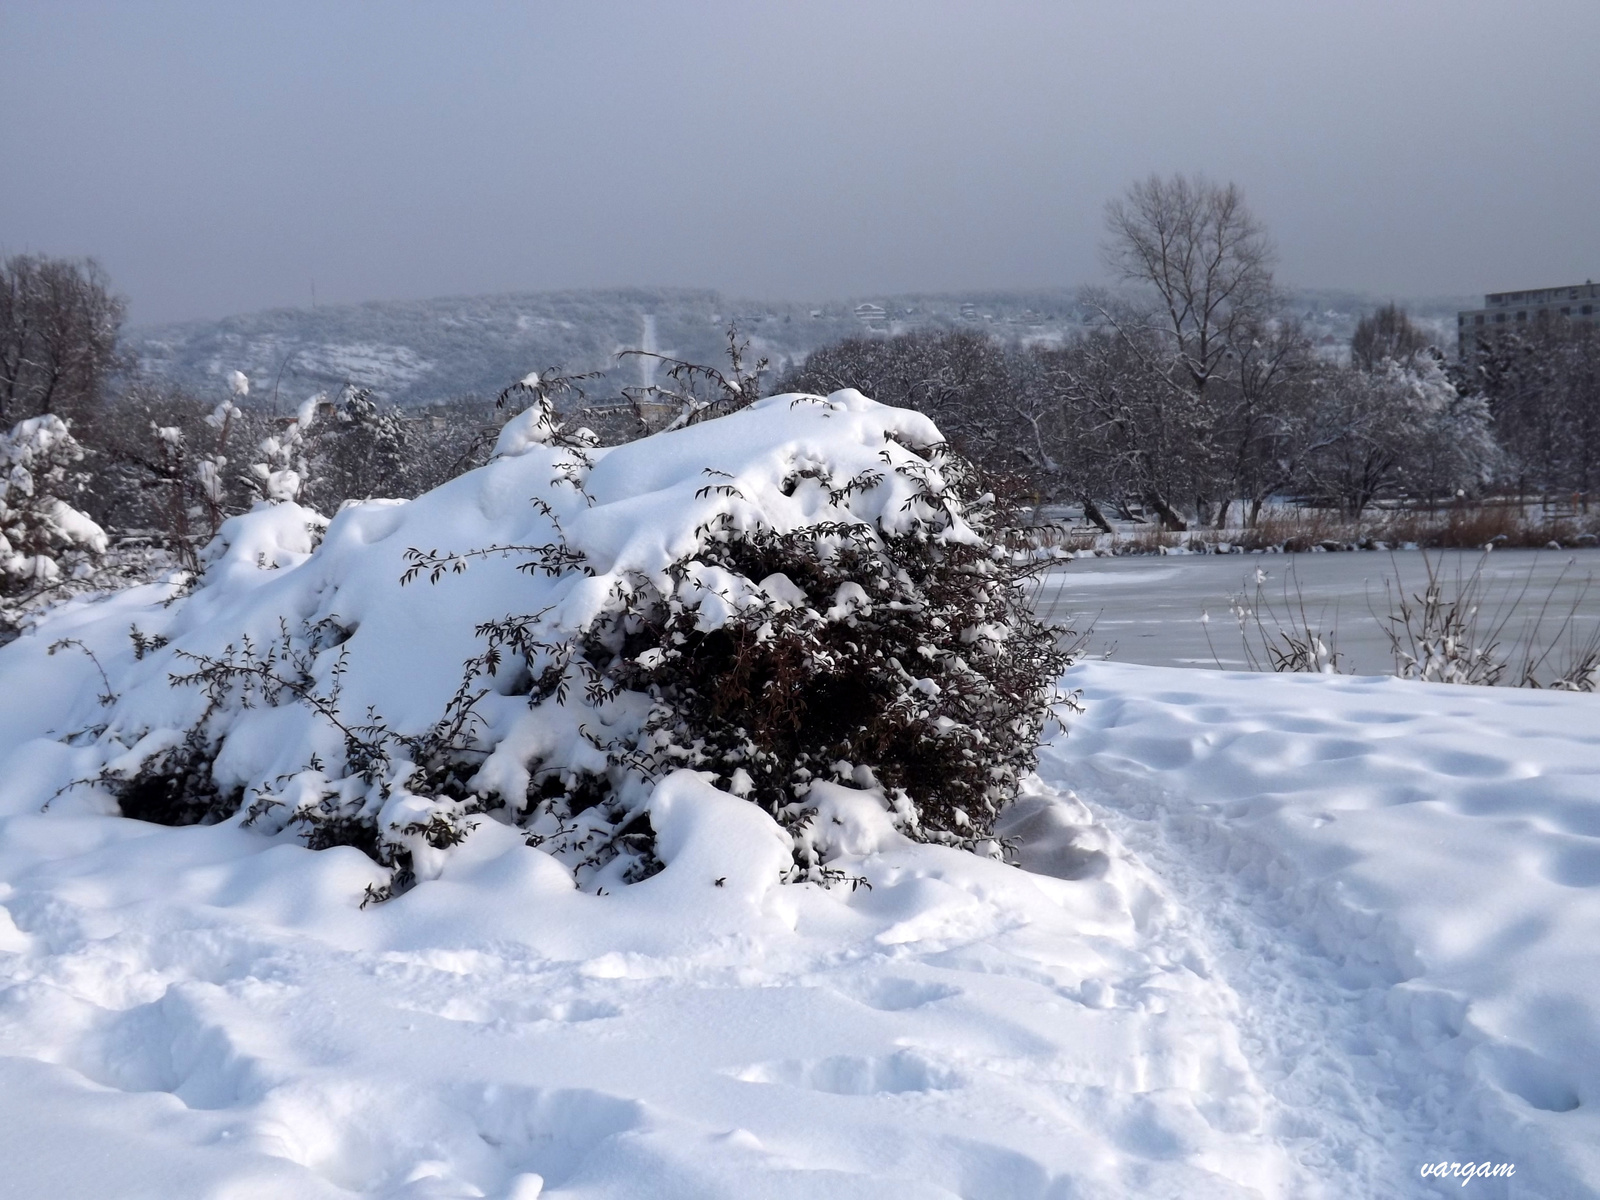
{"x":416,"y":352}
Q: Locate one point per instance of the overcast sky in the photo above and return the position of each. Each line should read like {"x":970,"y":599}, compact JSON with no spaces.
{"x":225,"y":157}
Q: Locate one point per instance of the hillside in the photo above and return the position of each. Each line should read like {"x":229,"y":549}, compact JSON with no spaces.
{"x":419,"y":351}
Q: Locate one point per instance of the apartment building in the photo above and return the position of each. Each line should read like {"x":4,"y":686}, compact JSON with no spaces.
{"x":1575,"y":302}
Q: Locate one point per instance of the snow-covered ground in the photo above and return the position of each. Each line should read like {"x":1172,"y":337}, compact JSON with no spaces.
{"x":1273,"y":936}
{"x":1302,"y":936}
{"x":1399,"y":883}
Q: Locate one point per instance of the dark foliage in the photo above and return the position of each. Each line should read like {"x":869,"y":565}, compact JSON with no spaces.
{"x":175,"y":787}
{"x":937,"y":682}
{"x":1542,"y":382}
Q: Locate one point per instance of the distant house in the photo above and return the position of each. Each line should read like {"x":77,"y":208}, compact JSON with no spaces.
{"x":969,"y":312}
{"x":1502,"y":310}
{"x":871,"y":314}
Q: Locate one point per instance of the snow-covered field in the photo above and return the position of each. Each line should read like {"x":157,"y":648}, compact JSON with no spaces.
{"x":1273,"y":935}
{"x":1302,"y":936}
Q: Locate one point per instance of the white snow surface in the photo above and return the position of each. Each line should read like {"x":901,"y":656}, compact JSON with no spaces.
{"x":1270,"y":936}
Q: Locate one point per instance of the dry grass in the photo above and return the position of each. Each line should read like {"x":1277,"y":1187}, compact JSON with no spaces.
{"x":1505,"y":525}
{"x":1151,"y":539}
{"x":1470,"y":528}
{"x":1298,"y":530}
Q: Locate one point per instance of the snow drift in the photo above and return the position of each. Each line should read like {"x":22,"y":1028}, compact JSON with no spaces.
{"x":807,"y":589}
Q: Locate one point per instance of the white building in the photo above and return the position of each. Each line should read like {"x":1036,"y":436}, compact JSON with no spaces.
{"x":1575,"y":302}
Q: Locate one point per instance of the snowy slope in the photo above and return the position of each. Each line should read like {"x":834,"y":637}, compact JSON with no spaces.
{"x":1292,"y":936}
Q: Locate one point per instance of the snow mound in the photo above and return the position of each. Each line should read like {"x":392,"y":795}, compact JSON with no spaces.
{"x":539,"y":641}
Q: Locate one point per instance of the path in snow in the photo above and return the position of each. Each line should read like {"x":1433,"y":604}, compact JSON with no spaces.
{"x":1361,"y":1106}
{"x":1399,"y":883}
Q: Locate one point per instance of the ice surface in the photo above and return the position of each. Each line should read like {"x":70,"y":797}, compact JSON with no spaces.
{"x":1148,"y":609}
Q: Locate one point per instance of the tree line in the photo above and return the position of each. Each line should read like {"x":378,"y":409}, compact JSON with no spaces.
{"x":1190,"y":397}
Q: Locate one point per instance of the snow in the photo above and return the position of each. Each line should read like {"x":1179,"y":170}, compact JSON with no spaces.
{"x":224,"y":1004}
{"x":36,"y":457}
{"x":1434,"y":853}
{"x":1270,"y":935}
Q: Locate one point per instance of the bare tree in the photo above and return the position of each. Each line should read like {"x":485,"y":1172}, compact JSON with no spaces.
{"x":58,"y":336}
{"x":1264,"y":435}
{"x":1387,"y":333}
{"x":1198,"y":327}
{"x":1208,"y":262}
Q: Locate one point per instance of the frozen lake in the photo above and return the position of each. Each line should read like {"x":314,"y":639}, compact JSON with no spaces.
{"x":1148,"y":609}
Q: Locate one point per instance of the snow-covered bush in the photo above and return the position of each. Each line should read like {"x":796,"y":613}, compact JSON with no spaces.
{"x":808,"y":589}
{"x":280,"y":472}
{"x":901,"y":658}
{"x":44,"y":540}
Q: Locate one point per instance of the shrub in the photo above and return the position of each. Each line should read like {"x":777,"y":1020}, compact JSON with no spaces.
{"x":838,"y":605}
{"x":898,"y":654}
{"x":905,"y":660}
{"x":44,"y":541}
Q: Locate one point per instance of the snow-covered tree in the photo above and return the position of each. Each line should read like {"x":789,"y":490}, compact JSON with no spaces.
{"x":1402,"y":427}
{"x":361,"y":450}
{"x":44,"y":540}
{"x":1542,"y":384}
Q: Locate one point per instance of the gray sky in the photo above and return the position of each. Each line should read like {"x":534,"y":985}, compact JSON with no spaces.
{"x":220,"y":157}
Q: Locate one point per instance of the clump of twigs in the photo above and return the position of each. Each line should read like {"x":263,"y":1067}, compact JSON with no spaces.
{"x":1283,"y":636}
{"x":1454,"y":630}
{"x":697,"y":392}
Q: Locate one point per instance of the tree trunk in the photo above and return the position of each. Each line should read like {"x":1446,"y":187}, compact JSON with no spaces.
{"x":1169,"y":518}
{"x":1091,"y":512}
